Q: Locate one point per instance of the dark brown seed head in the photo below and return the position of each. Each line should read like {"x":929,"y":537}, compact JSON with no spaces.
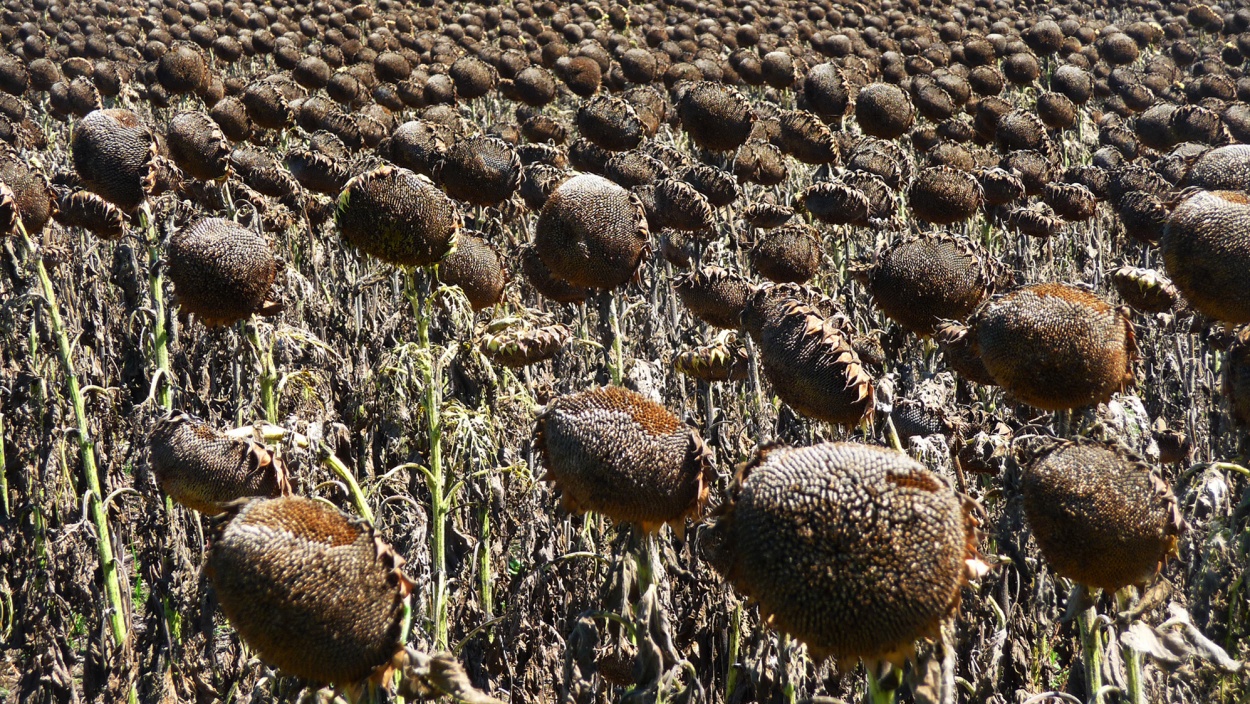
{"x":855,"y":550}
{"x":610,"y":122}
{"x":876,"y":158}
{"x":92,"y":213}
{"x":114,"y":155}
{"x":716,"y":185}
{"x":1021,"y":129}
{"x":521,"y":346}
{"x":534,"y":85}
{"x":1143,"y":215}
{"x":316,"y":171}
{"x":836,"y":203}
{"x":480,"y":170}
{"x":826,"y":91}
{"x":1033,"y":219}
{"x":182,"y":69}
{"x":221,"y":272}
{"x":714,"y":295}
{"x":1134,"y":176}
{"x":809,"y":360}
{"x":1071,"y":201}
{"x":204,"y":469}
{"x":1033,"y":168}
{"x":1222,"y":169}
{"x":788,"y":254}
{"x":587,"y":156}
{"x":717,"y":117}
{"x":1145,"y":290}
{"x":923,"y":280}
{"x":1056,"y":110}
{"x":913,"y":417}
{"x":1000,"y":186}
{"x":987,"y":80}
{"x":681,"y":206}
{"x":934,"y":103}
{"x":1096,"y":179}
{"x":722,"y":360}
{"x":544,"y":129}
{"x":806,"y":138}
{"x":581,"y":74}
{"x":766,"y":216}
{"x":398,"y":217}
{"x":231,"y":116}
{"x":1206,"y":251}
{"x":262,"y":173}
{"x":14,"y":76}
{"x":1119,"y":49}
{"x":768,"y":308}
{"x":1154,"y":127}
{"x":82,"y":96}
{"x":1120,"y":138}
{"x":312,"y":72}
{"x":612,"y":451}
{"x":884,"y":110}
{"x":1100,"y":515}
{"x":592,"y":233}
{"x":634,"y":168}
{"x":198,"y":146}
{"x":944,"y":196}
{"x":1055,"y":346}
{"x":760,"y":162}
{"x":1194,"y":123}
{"x":267,"y":106}
{"x":315,"y":592}
{"x":473,"y":77}
{"x":419,"y":145}
{"x":30,"y":196}
{"x":474,"y":265}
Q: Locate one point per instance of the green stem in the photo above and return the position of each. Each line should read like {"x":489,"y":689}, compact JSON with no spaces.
{"x":268,"y":375}
{"x":1132,"y":658}
{"x":4,"y":477}
{"x":485,"y":579}
{"x":1091,"y":646}
{"x":86,"y":448}
{"x":735,"y":638}
{"x":785,"y":653}
{"x":436,"y":482}
{"x":892,"y":433}
{"x":334,"y":464}
{"x":618,"y":351}
{"x":160,"y":327}
{"x":881,"y":689}
{"x":650,"y":569}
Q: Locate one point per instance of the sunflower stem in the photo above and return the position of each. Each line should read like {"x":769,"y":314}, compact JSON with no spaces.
{"x":882,"y":688}
{"x":160,"y":326}
{"x":485,"y":579}
{"x":1091,"y":646}
{"x":114,"y":608}
{"x":731,"y":666}
{"x":436,"y":482}
{"x":268,"y":375}
{"x":4,"y":477}
{"x":334,"y":464}
{"x":1132,"y":658}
